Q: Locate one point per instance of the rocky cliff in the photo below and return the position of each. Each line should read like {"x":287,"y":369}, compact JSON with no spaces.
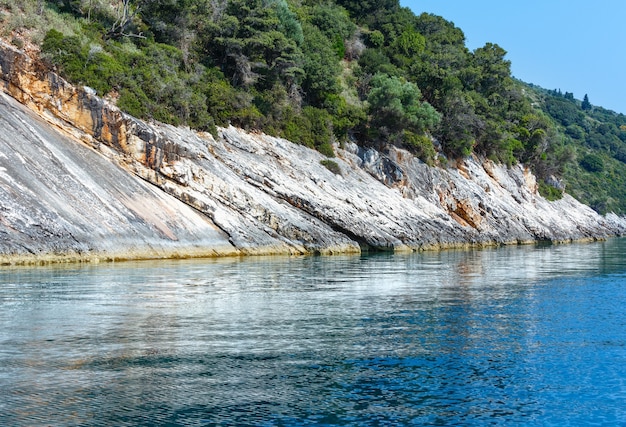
{"x":79,"y":179}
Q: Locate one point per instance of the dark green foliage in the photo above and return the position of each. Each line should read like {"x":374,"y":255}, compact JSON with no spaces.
{"x":376,"y":39}
{"x":374,"y":61}
{"x":575,"y":131}
{"x":493,"y":71}
{"x":288,"y":21}
{"x":320,"y":65}
{"x":409,"y":42}
{"x":549,"y":192}
{"x":331,"y":165}
{"x":396,"y":104}
{"x":603,"y":191}
{"x":134,"y":103}
{"x":421,"y":145}
{"x":312,"y":127}
{"x":459,"y":125}
{"x":257,"y":43}
{"x":564,"y":111}
{"x":592,"y":163}
{"x":151,"y":82}
{"x":621,"y":154}
{"x":346,"y":118}
{"x":326,"y":149}
{"x":585,"y":105}
{"x":225,"y":104}
{"x":364,"y":10}
{"x":333,"y":21}
{"x":82,"y":64}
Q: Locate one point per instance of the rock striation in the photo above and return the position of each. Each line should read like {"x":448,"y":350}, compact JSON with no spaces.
{"x":79,"y":179}
{"x":60,"y":200}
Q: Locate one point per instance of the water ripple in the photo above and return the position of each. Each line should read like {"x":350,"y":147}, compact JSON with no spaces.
{"x":517,"y":336}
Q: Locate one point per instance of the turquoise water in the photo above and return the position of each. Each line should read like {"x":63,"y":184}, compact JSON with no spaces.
{"x":511,"y":336}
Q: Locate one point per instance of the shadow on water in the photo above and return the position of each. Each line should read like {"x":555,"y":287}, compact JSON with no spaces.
{"x":509,"y":336}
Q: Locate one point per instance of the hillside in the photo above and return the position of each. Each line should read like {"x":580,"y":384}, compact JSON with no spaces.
{"x":80,"y":180}
{"x":593,"y":148}
{"x":323,"y":74}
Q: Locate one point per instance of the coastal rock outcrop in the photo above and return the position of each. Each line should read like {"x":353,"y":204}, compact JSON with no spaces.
{"x":91,"y":180}
{"x":60,"y":200}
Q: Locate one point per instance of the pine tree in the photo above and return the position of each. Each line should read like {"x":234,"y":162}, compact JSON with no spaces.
{"x":586,"y":105}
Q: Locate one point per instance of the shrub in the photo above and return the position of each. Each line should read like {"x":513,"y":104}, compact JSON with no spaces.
{"x":396,"y":103}
{"x":134,"y":102}
{"x":312,"y":127}
{"x":332,"y":166}
{"x":88,"y":65}
{"x":592,"y":163}
{"x":550,"y":192}
{"x":421,"y":146}
{"x":376,"y":39}
{"x":17,"y":42}
{"x":326,"y":149}
{"x":575,"y":131}
{"x":321,"y":125}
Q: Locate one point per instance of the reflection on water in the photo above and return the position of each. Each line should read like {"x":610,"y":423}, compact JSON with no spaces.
{"x":513,"y":336}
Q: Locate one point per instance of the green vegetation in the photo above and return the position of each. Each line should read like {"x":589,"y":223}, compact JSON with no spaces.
{"x":549,"y":192}
{"x":320,"y":73}
{"x":331,"y":165}
{"x":592,"y":148}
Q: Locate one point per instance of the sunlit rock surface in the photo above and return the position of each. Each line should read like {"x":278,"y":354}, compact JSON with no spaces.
{"x":60,"y":200}
{"x":82,"y":179}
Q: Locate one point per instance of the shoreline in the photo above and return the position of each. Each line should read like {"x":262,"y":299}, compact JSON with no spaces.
{"x":8,"y":260}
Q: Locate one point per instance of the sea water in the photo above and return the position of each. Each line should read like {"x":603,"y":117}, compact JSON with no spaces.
{"x":532,"y":335}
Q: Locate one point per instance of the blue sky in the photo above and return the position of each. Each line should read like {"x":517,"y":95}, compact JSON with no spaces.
{"x":573,"y":45}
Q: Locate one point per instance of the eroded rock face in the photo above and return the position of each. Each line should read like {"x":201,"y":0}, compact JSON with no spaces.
{"x":264,"y":194}
{"x":60,"y":200}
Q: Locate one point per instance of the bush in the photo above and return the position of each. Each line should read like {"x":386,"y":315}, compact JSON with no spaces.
{"x":344,"y":116}
{"x":550,"y":192}
{"x":134,"y":103}
{"x":17,"y":42}
{"x":332,"y":166}
{"x":592,"y":163}
{"x":421,"y":146}
{"x":326,"y":149}
{"x":88,"y":65}
{"x":312,"y":127}
{"x":376,"y":39}
{"x":575,"y":132}
{"x":395,"y":103}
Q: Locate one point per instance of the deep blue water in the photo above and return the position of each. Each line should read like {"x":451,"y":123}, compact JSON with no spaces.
{"x":513,"y":336}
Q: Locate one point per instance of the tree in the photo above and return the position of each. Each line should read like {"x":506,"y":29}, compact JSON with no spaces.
{"x":494,"y":69}
{"x":257,"y":44}
{"x":362,"y":10}
{"x":407,"y":46}
{"x":124,"y":20}
{"x":459,"y":125}
{"x":567,"y":113}
{"x":396,"y":104}
{"x":333,"y":21}
{"x":586,"y":105}
{"x":321,"y":66}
